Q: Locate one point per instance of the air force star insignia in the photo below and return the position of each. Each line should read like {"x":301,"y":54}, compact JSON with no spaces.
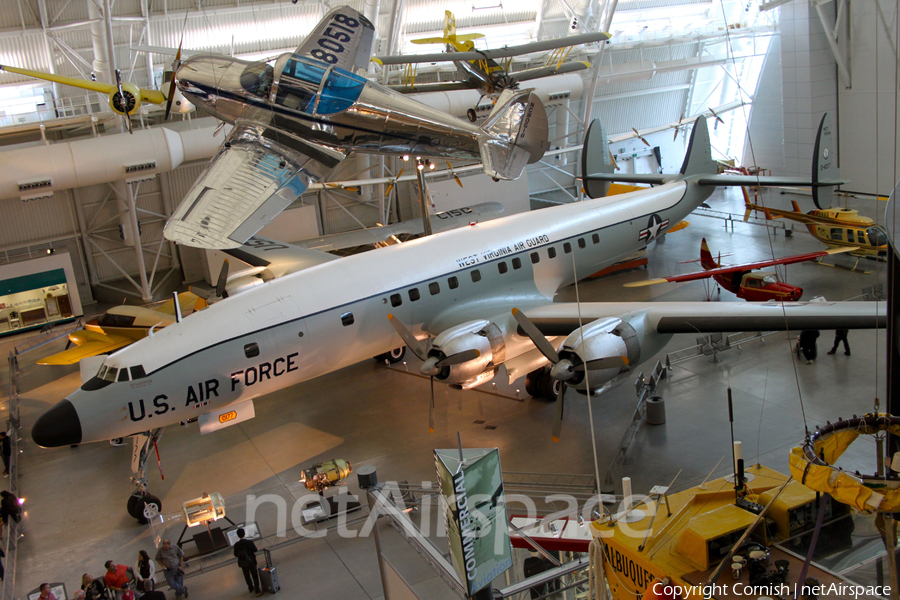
{"x":655,"y":227}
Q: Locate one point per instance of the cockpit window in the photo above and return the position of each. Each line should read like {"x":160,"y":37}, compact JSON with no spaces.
{"x":123,"y":375}
{"x":138,"y":372}
{"x":110,"y":374}
{"x":877,"y":236}
{"x":768,"y":279}
{"x":257,"y":79}
{"x":301,"y":80}
{"x":114,"y":320}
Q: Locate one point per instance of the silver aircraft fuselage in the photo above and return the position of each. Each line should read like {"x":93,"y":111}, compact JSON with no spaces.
{"x":329,"y":316}
{"x":329,"y":106}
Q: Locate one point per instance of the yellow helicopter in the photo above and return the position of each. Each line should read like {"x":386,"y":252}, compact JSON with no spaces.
{"x":834,"y":227}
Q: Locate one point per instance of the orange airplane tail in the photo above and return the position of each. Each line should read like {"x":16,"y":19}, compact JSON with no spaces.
{"x":706,"y":258}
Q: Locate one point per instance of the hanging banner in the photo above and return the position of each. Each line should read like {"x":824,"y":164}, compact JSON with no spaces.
{"x":477,"y":526}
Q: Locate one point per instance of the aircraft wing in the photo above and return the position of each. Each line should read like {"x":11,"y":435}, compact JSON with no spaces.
{"x":538,"y":72}
{"x":255,"y":175}
{"x":442,"y":221}
{"x":152,"y":96}
{"x":714,"y":317}
{"x":651,"y":178}
{"x":785,"y":260}
{"x":768,"y":181}
{"x":563,"y":42}
{"x":186,"y":300}
{"x":343,"y":39}
{"x":279,"y":258}
{"x":88,"y":343}
{"x":435,"y":86}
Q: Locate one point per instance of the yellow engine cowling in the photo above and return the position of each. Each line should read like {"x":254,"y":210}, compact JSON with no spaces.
{"x":132,"y":101}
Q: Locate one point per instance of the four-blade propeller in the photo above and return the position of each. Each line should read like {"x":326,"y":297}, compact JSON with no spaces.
{"x":432,"y":363}
{"x":564,"y":368}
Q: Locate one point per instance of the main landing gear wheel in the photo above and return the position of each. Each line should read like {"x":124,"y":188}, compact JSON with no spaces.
{"x":539,"y":384}
{"x":471,"y":115}
{"x":394,"y":356}
{"x":143,"y":506}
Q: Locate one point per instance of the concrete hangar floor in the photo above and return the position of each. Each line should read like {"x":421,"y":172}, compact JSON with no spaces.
{"x":372,"y":415}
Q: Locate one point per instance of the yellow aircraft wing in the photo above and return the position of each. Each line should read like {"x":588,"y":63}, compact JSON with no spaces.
{"x":152,"y":96}
{"x":187,"y":301}
{"x":87,"y":343}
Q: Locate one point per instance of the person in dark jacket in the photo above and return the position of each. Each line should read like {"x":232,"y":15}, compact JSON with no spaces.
{"x":808,"y":345}
{"x":94,"y":589}
{"x":245,"y":551}
{"x":840,"y":335}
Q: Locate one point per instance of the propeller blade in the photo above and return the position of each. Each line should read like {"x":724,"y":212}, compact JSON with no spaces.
{"x":393,"y":183}
{"x":610,"y":362}
{"x":675,"y":137}
{"x":411,"y":342}
{"x":172,"y":86}
{"x":458,"y":358}
{"x":560,"y":408}
{"x":452,"y":172}
{"x":124,"y":102}
{"x":221,"y":292}
{"x":536,"y":336}
{"x":431,"y":408}
{"x":718,"y":118}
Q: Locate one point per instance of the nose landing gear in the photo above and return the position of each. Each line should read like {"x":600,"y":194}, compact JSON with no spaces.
{"x":142,"y":505}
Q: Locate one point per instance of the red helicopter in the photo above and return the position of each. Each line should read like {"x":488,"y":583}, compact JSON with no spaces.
{"x":742,"y":281}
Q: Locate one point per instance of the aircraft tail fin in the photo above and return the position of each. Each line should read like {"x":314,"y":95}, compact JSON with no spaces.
{"x":748,"y":206}
{"x":825,"y":172}
{"x":706,"y":258}
{"x":449,"y":24}
{"x":450,"y":37}
{"x":596,"y":168}
{"x":515,"y":134}
{"x":698,"y":158}
{"x":596,"y":159}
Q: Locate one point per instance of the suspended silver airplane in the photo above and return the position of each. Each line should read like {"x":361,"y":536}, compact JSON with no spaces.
{"x":296,"y":120}
{"x":458,"y":287}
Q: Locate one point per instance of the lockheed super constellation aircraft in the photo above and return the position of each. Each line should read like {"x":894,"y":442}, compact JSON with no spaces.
{"x":460,"y":287}
{"x":296,"y":120}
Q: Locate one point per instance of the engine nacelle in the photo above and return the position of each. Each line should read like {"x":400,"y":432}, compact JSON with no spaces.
{"x":604,"y":338}
{"x":131,"y":101}
{"x":466,"y":336}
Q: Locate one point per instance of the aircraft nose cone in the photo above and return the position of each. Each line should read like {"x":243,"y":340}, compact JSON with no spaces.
{"x":59,"y":426}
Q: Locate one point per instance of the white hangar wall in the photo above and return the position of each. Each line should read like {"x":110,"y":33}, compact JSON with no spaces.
{"x":868,"y":117}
